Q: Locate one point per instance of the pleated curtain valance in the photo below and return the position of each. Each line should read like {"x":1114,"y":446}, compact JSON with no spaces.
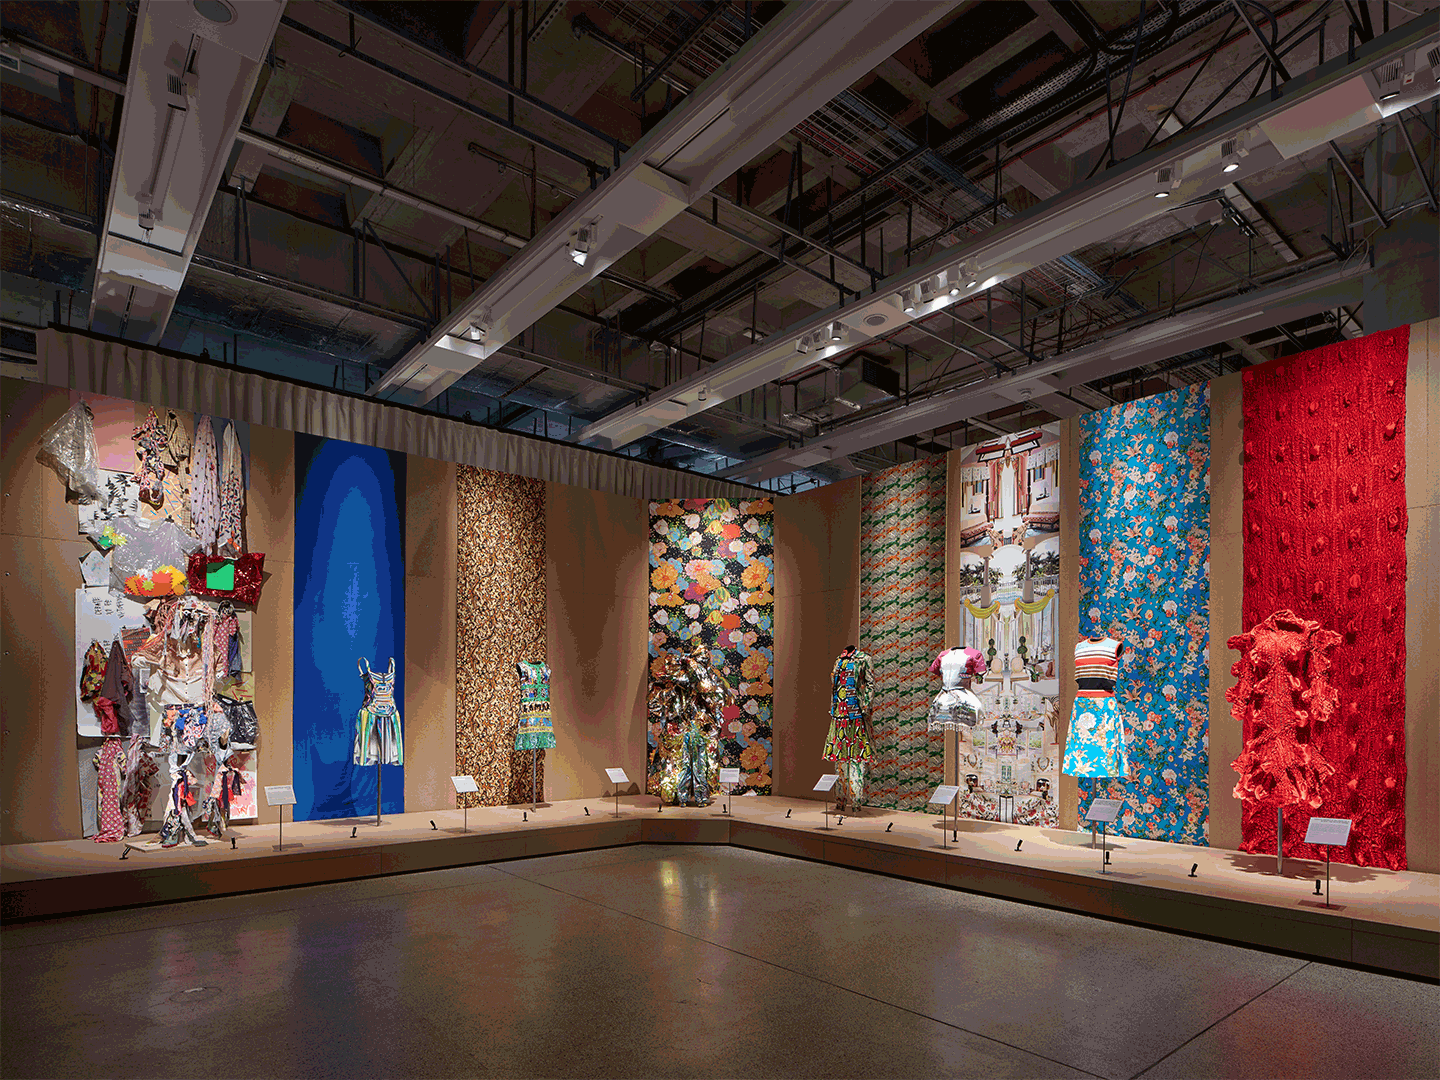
{"x":101,"y":366}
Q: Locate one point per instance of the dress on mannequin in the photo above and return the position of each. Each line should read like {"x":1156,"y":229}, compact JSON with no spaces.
{"x":377,"y":725}
{"x":1282,"y":697}
{"x":534,"y":731}
{"x":850,"y":742}
{"x":957,"y":706}
{"x":1095,"y":744}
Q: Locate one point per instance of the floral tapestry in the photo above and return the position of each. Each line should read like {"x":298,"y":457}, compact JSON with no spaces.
{"x":1145,"y":580}
{"x":712,"y":575}
{"x":499,"y":621}
{"x":902,"y":625}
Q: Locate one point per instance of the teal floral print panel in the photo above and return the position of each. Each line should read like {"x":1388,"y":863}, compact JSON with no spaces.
{"x":1145,"y":580}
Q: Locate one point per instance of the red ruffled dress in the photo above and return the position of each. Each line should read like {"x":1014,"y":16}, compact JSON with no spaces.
{"x":1282,"y":696}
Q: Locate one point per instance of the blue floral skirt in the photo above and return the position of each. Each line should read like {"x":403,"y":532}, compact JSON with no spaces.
{"x":1095,"y":743}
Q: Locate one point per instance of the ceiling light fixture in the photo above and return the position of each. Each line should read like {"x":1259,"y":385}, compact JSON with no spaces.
{"x":580,"y":246}
{"x":802,"y":344}
{"x":1165,"y":181}
{"x":955,"y":282}
{"x":479,"y":327}
{"x":1230,"y":153}
{"x":907,"y":301}
{"x":837,"y":332}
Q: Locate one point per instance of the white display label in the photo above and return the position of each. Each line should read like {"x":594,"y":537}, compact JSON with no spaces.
{"x":827,"y":782}
{"x":944,"y":793}
{"x":464,"y":785}
{"x":617,"y":776}
{"x":1106,"y":810}
{"x":280,"y":795}
{"x":729,"y":776}
{"x":1329,"y":831}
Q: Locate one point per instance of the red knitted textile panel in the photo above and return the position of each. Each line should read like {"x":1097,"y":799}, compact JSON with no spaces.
{"x":1325,"y":522}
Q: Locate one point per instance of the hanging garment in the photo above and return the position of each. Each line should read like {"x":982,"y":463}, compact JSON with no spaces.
{"x":92,"y":671}
{"x":534,"y":731}
{"x":110,"y":764}
{"x":1282,"y":697}
{"x":231,"y":481}
{"x":139,"y":787}
{"x":1095,"y":744}
{"x":690,"y":769}
{"x":956,"y":707}
{"x":117,"y":690}
{"x":204,"y":487}
{"x":377,"y":725}
{"x":150,"y":441}
{"x":851,"y":693}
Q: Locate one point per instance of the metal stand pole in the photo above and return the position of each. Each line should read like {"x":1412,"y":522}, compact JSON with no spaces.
{"x":1280,"y":840}
{"x":1104,"y":852}
{"x":1327,"y":875}
{"x":282,"y":828}
{"x":534,"y":753}
{"x":377,"y":792}
{"x":466,"y":810}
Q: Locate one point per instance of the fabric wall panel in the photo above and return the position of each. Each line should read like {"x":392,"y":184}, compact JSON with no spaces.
{"x":1325,"y":523}
{"x":499,"y":621}
{"x":1145,"y":580}
{"x":349,"y":600}
{"x":712,"y":576}
{"x":902,"y":624}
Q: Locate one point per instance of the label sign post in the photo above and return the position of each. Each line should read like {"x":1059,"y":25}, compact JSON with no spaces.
{"x":1328,"y":832}
{"x":826,"y":784}
{"x":730,"y":778}
{"x":465,"y":785}
{"x":1103,"y":811}
{"x":281,"y":795}
{"x":618,"y":777}
{"x":943,"y":797}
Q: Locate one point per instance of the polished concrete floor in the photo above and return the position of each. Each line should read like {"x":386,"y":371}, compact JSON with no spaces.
{"x":675,"y":961}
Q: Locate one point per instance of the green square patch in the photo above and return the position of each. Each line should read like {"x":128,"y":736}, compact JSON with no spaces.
{"x":220,"y":576}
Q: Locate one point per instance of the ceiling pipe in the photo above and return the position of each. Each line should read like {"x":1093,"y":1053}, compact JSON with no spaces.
{"x":1185,"y":167}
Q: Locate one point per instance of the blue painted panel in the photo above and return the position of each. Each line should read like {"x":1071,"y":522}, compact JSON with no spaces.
{"x":349,"y":603}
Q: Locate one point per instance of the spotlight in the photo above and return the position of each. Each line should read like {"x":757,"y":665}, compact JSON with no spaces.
{"x":580,"y":246}
{"x":704,"y":393}
{"x":836,"y":333}
{"x":802,"y":344}
{"x":1231,"y":153}
{"x":907,"y":299}
{"x":479,"y":327}
{"x":1391,"y":96}
{"x":1165,"y":181}
{"x":955,"y":284}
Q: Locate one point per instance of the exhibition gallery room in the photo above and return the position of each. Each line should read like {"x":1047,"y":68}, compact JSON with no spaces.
{"x":711,"y":538}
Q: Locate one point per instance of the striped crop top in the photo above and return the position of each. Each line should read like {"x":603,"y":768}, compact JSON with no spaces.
{"x":1097,"y":665}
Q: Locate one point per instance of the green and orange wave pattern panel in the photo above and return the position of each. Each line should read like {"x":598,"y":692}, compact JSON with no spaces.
{"x":902,"y":624}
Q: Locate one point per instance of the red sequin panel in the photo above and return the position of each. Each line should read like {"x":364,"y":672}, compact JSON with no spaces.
{"x":1324,"y":535}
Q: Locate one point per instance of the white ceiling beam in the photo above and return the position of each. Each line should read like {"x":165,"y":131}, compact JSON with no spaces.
{"x":1310,"y":110}
{"x":189,"y":83}
{"x":799,"y":61}
{"x":1297,"y":297}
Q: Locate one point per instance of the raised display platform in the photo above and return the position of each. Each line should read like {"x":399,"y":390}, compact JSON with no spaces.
{"x":1386,"y":920}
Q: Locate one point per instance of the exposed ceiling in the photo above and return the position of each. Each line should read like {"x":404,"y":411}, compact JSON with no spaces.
{"x":354,"y":194}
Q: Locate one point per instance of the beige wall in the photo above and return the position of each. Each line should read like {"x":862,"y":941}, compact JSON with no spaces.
{"x":430,"y":560}
{"x":40,"y":551}
{"x":597,"y":610}
{"x":817,"y":613}
{"x":1227,"y":585}
{"x":1068,"y":626}
{"x":1422,"y":616}
{"x":270,"y":528}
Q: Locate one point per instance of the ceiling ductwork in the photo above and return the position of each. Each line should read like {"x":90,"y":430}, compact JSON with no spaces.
{"x":1181,"y":176}
{"x":1295,"y":298}
{"x":192,"y":70}
{"x":799,"y":61}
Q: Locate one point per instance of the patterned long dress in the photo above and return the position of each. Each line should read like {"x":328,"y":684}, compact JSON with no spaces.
{"x":849,"y":743}
{"x":534,"y":731}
